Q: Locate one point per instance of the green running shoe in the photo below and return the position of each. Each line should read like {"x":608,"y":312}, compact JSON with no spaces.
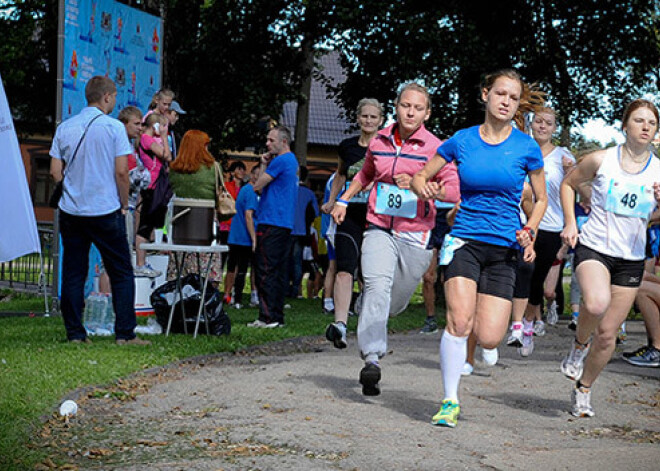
{"x":447,"y":416}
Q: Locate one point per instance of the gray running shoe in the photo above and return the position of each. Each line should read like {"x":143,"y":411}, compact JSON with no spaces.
{"x":573,"y":365}
{"x":539,"y":328}
{"x":581,"y":399}
{"x":516,"y":338}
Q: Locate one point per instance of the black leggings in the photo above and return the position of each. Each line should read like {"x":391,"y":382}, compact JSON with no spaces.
{"x":239,"y":256}
{"x":547,"y":245}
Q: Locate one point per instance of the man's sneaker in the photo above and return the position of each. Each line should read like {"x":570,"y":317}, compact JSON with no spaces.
{"x":490,"y":356}
{"x":336,"y":333}
{"x":264,"y":325}
{"x":527,"y":346}
{"x":448,"y":414}
{"x":573,"y":324}
{"x":516,"y":337}
{"x":581,"y":399}
{"x":539,"y":328}
{"x":467,"y":369}
{"x":573,"y":365}
{"x":637,"y":353}
{"x":551,"y":316}
{"x":430,"y":326}
{"x":650,"y":358}
{"x":254,"y":299}
{"x":369,"y":378}
{"x":147,"y":271}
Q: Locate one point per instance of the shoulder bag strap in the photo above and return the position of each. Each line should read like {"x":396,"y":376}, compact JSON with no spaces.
{"x":75,"y":152}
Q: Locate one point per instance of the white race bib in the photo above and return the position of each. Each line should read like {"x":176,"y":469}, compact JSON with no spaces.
{"x":394,"y":201}
{"x":627,"y":199}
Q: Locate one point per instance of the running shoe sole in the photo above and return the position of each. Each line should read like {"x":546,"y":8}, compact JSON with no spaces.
{"x":514,"y":342}
{"x":369,"y":379}
{"x":333,"y":334}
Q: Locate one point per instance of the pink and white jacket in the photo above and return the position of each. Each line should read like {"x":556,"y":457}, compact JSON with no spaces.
{"x":383,"y":161}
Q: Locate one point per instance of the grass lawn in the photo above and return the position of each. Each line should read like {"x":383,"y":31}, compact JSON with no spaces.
{"x":38,"y":367}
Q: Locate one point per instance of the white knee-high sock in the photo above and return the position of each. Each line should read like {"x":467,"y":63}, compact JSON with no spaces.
{"x":453,"y":353}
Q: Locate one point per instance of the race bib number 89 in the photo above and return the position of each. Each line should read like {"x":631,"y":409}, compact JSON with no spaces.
{"x":394,"y":201}
{"x":627,"y":199}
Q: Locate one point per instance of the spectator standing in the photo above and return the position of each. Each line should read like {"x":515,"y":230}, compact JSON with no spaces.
{"x":242,"y":240}
{"x":278,"y":184}
{"x":173,"y":115}
{"x":92,"y":208}
{"x":306,"y":211}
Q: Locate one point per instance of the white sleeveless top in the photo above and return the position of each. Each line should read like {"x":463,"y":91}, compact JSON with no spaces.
{"x":621,"y":204}
{"x":553,"y":219}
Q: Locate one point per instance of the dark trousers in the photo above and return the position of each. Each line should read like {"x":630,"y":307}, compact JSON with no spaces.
{"x":108,"y":233}
{"x":271,"y":260}
{"x":297,"y":244}
{"x":240,"y":256}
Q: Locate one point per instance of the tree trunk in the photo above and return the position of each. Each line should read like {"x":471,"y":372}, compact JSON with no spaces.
{"x":302,"y":113}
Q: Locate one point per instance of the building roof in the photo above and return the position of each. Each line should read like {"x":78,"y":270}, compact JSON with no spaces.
{"x":326,"y":125}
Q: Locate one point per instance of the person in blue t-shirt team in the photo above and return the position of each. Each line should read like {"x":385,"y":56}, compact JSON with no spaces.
{"x":278,"y":184}
{"x":482,"y":249}
{"x":242,"y":239}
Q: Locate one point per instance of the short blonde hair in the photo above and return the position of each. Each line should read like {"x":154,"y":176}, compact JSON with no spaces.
{"x":418,"y":87}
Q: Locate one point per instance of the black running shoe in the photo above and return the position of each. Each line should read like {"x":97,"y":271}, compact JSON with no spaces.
{"x":336,"y":335}
{"x":369,"y":378}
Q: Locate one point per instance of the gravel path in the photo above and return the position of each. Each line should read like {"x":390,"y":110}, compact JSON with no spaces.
{"x":298,"y":406}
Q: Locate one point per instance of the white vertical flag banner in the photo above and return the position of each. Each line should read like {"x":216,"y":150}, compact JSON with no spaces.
{"x":18,"y":227}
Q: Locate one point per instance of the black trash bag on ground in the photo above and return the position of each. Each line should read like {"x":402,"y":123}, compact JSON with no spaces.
{"x":219,"y":322}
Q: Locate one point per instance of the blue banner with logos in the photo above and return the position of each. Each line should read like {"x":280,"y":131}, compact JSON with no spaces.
{"x":105,"y":37}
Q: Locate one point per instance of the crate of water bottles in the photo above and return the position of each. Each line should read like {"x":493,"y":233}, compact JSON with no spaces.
{"x":99,"y":317}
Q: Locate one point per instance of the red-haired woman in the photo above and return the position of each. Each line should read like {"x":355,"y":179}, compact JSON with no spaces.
{"x":192,"y":175}
{"x":610,"y":249}
{"x":483,"y":247}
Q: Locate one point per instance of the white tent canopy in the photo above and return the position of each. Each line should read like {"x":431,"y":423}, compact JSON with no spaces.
{"x":18,"y":227}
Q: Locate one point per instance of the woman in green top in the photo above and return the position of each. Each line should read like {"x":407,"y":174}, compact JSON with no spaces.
{"x":192,"y":175}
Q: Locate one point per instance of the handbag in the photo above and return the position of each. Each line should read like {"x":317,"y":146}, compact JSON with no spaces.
{"x":54,"y":199}
{"x":225,"y":206}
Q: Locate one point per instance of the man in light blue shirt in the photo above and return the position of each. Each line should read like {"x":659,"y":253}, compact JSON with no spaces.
{"x":90,"y":154}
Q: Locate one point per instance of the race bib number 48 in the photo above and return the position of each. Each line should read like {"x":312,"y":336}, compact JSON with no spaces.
{"x":627,"y":199}
{"x":394,"y":201}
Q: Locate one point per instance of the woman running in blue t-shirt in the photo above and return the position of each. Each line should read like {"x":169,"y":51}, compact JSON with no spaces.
{"x":483,"y":247}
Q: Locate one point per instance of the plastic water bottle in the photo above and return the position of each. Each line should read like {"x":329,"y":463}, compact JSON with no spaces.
{"x":102,"y":313}
{"x":109,"y":318}
{"x":90,"y":315}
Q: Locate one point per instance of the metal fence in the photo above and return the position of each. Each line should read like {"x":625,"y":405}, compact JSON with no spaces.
{"x":25,"y":273}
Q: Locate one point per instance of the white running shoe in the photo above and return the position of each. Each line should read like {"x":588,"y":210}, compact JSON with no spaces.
{"x":573,"y":365}
{"x":516,"y":337}
{"x":527,"y":346}
{"x":467,"y":369}
{"x":490,"y":356}
{"x":581,"y":399}
{"x":551,"y":316}
{"x":539,"y":328}
{"x":264,"y":325}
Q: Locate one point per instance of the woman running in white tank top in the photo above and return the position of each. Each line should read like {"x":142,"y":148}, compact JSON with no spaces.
{"x":609,"y":257}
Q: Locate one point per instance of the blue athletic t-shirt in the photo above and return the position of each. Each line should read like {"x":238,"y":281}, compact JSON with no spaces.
{"x":277,"y":205}
{"x":246,"y":200}
{"x":492,"y":179}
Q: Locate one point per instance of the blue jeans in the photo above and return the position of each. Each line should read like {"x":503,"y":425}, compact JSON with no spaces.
{"x":108,"y":233}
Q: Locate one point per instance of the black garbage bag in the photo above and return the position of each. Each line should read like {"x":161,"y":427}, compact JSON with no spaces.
{"x":219,"y":322}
